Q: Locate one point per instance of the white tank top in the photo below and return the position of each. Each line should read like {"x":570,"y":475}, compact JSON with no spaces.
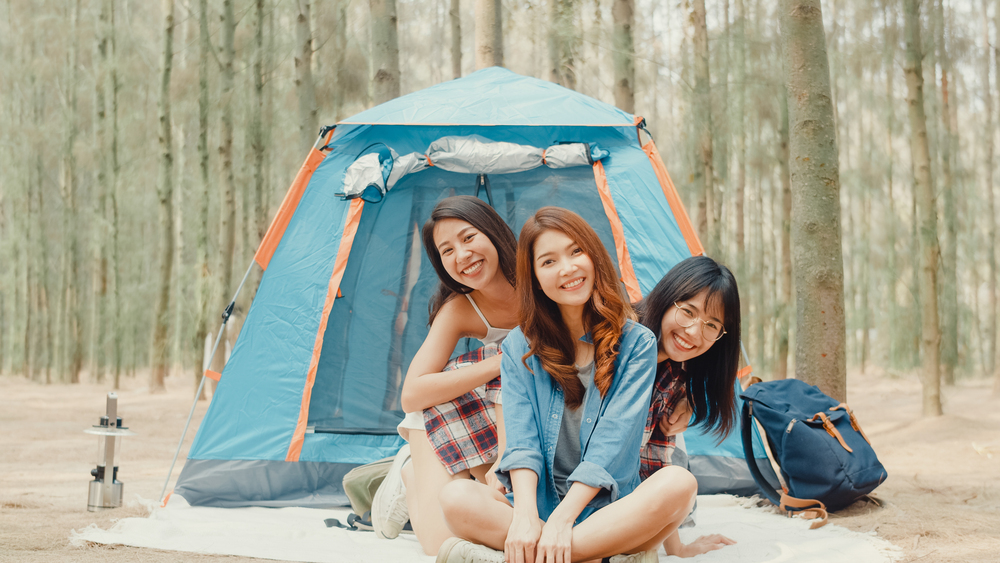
{"x":493,"y":335}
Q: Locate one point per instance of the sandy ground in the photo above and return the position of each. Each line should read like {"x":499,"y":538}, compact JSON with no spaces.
{"x":941,"y":501}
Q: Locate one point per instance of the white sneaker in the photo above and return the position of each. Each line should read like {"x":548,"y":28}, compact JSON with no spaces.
{"x":641,"y":557}
{"x":457,"y":550}
{"x":389,"y":511}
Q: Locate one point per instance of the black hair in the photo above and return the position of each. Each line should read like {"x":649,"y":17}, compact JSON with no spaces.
{"x":710,"y":377}
{"x":486,"y":220}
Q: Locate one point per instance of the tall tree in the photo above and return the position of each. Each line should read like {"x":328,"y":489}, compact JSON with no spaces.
{"x":990,"y":332}
{"x":562,"y":43}
{"x":623,"y":53}
{"x":203,"y":279}
{"x":227,"y":200}
{"x":71,"y":338}
{"x":992,"y":218}
{"x":703,"y":122}
{"x":304,"y":85}
{"x":385,"y":50}
{"x":785,"y":317}
{"x":489,"y":34}
{"x":455,"y":17}
{"x":949,"y":254}
{"x":814,"y":171}
{"x":114,"y":86}
{"x":927,"y":210}
{"x":165,"y":193}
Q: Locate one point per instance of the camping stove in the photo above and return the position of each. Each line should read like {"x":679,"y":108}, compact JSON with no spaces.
{"x":106,"y":489}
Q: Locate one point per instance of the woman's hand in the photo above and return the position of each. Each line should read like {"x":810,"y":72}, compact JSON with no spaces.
{"x":493,"y":482}
{"x":703,"y":544}
{"x":555,"y":543}
{"x":677,"y":422}
{"x":522,"y":538}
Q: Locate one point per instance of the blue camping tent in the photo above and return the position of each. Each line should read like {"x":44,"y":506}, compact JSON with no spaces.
{"x":312,"y":386}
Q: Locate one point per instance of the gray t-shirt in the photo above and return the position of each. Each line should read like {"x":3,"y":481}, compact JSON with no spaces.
{"x":568,"y":445}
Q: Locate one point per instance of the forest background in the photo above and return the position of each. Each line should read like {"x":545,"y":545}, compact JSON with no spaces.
{"x":144,"y":147}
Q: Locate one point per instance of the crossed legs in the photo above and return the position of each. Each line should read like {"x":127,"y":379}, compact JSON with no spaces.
{"x":638,"y":522}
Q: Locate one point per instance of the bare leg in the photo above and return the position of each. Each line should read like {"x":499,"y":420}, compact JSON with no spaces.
{"x":637,"y":522}
{"x":477,"y":513}
{"x":423,"y":487}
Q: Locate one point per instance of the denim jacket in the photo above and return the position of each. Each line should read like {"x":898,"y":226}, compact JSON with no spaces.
{"x":611,"y":428}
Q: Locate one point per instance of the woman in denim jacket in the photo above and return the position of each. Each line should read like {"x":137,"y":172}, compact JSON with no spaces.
{"x":577,"y":381}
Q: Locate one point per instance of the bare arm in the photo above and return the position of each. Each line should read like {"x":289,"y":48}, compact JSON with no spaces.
{"x":426,"y":385}
{"x":556,"y":541}
{"x":491,"y":476}
{"x":673,"y":546}
{"x":525,"y":527}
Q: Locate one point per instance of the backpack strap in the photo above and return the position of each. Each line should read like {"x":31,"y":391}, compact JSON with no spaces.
{"x":808,"y":508}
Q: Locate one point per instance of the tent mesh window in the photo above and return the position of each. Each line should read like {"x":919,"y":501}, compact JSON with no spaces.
{"x":370,"y":337}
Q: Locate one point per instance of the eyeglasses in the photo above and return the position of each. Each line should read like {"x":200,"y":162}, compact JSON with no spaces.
{"x":710,"y":330}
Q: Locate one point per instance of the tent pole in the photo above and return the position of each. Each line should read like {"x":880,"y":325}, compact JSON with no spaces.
{"x":201,"y":384}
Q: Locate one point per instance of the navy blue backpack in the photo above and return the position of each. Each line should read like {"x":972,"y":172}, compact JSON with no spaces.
{"x":825,"y":458}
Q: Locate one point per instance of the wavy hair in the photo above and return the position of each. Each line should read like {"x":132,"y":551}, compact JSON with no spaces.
{"x":541,"y":322}
{"x":710,"y":377}
{"x":486,"y":220}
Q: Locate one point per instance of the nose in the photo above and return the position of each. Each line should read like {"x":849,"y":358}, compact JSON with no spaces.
{"x":567,"y":267}
{"x":694,"y":329}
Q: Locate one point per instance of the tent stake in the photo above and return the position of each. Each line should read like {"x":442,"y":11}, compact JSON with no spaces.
{"x":201,"y":384}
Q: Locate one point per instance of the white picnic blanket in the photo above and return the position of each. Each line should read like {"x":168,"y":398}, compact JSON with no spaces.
{"x":300,"y":534}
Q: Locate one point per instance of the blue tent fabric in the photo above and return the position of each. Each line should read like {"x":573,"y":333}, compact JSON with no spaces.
{"x":379,"y":317}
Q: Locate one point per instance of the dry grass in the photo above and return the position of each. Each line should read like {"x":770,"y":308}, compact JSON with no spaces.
{"x":941,"y":503}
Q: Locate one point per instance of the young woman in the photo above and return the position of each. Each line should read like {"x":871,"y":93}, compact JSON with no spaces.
{"x":578,"y":376}
{"x":453,"y":428}
{"x":694,"y":311}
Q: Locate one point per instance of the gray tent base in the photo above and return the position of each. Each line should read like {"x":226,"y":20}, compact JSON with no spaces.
{"x":274,"y":484}
{"x":729,"y":475}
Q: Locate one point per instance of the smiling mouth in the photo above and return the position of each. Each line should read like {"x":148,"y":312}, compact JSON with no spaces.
{"x":572,"y":284}
{"x":682,"y":344}
{"x":473,"y":269}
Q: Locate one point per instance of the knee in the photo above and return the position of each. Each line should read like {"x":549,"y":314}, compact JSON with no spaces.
{"x":455,"y":497}
{"x":676,"y":487}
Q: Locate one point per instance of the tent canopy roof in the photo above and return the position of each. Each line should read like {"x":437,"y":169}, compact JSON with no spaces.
{"x":494,"y":96}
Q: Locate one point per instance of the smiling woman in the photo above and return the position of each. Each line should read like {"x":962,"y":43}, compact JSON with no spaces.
{"x":578,"y":375}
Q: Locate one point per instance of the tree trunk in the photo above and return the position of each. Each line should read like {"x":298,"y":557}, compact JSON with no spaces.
{"x":993,"y":218}
{"x":385,"y":50}
{"x":455,"y":17}
{"x":98,"y":243}
{"x":929,"y":250}
{"x":623,"y":53}
{"x":990,"y":332}
{"x":227,"y":199}
{"x":117,"y":331}
{"x":891,"y":273}
{"x":562,"y":43}
{"x":203,"y":278}
{"x":304,"y":87}
{"x":781,"y":367}
{"x":815,"y":180}
{"x":71,"y":339}
{"x":703,"y":124}
{"x":949,"y":256}
{"x":489,"y":34}
{"x":741,"y":152}
{"x":160,"y":360}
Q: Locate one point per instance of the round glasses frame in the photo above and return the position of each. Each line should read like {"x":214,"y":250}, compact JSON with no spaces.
{"x":684,"y":315}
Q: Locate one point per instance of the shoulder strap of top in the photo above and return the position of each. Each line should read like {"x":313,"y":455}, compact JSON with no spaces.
{"x":478,"y":312}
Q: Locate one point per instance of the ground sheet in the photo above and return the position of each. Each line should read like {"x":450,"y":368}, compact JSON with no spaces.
{"x":300,"y":534}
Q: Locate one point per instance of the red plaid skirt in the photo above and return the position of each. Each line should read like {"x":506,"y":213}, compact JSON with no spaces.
{"x":463,"y":431}
{"x":668,"y":389}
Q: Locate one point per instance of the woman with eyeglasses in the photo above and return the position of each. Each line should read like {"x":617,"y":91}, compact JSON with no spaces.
{"x":694,"y":311}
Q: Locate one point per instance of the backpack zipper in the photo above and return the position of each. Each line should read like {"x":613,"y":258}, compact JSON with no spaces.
{"x":788,"y":430}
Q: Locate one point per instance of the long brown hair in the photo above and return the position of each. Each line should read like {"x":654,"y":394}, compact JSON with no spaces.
{"x":543,"y":326}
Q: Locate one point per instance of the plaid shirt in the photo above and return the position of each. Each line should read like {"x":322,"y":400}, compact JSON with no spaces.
{"x":668,"y":389}
{"x":463,"y":431}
